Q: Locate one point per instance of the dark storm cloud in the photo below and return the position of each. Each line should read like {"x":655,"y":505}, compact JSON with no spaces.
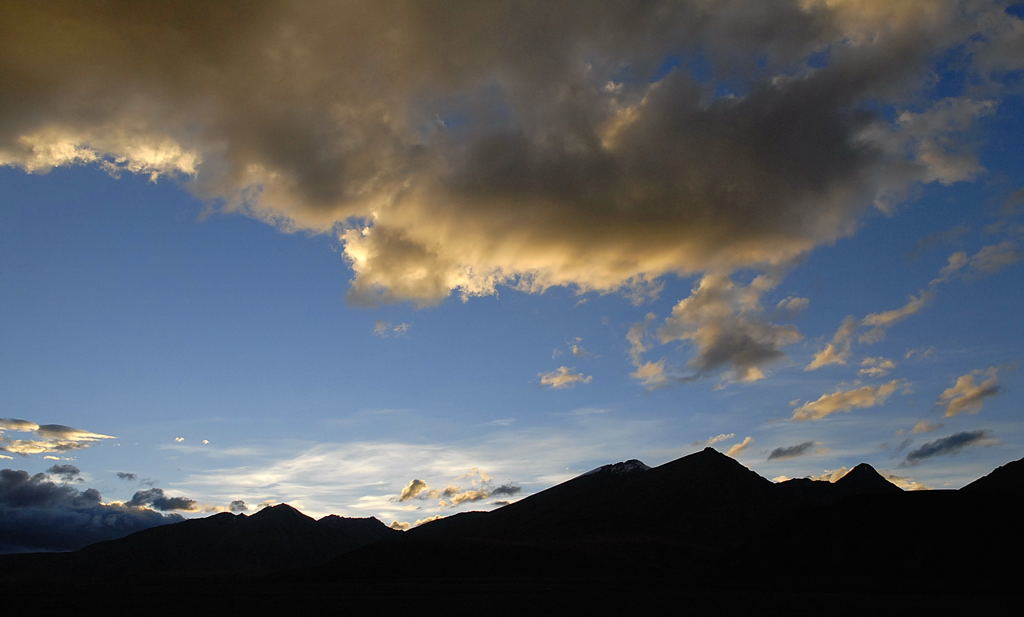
{"x":948,"y":445}
{"x":37,"y":514}
{"x":65,"y":472}
{"x":237,"y":506}
{"x":506,"y":489}
{"x":791,"y":451}
{"x":155,"y":498}
{"x":469,"y":145}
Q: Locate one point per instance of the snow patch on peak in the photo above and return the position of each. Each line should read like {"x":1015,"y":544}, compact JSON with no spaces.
{"x":620,"y":468}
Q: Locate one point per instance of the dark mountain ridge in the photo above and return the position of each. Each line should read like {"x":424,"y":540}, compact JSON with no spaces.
{"x":702,"y":522}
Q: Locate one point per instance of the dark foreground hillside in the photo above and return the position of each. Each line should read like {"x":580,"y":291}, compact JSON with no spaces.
{"x":701,"y":533}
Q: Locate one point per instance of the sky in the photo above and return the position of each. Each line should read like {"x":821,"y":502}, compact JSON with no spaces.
{"x":404,"y":260}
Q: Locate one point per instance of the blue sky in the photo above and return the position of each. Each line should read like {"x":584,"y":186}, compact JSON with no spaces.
{"x":260,"y":310}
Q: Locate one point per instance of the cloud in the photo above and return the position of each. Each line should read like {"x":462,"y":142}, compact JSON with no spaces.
{"x":926,"y":426}
{"x":845,"y":400}
{"x":454,"y":171}
{"x":67,"y":473}
{"x":876,"y":367}
{"x":179,"y":439}
{"x":155,"y":498}
{"x":652,"y":375}
{"x":14,"y":424}
{"x":988,"y":260}
{"x":562,"y":377}
{"x":723,"y":320}
{"x":736,"y":448}
{"x":838,"y":351}
{"x":948,"y":445}
{"x":792,"y":305}
{"x":124,"y":475}
{"x":386,"y":329}
{"x":966,"y":395}
{"x":884,"y":319}
{"x":454,"y":495}
{"x":710,"y":441}
{"x":400,"y":526}
{"x":237,"y":506}
{"x":799,"y":449}
{"x":506,"y":489}
{"x":52,"y":437}
{"x":37,"y":514}
{"x":414,"y":489}
{"x":922,"y":352}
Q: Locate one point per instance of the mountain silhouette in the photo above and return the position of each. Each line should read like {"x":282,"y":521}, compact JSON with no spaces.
{"x":864,"y":480}
{"x":702,"y":528}
{"x":1008,"y":478}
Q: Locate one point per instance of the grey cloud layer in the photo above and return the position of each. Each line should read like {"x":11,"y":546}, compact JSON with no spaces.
{"x":948,"y":445}
{"x":37,"y":514}
{"x":474,"y":144}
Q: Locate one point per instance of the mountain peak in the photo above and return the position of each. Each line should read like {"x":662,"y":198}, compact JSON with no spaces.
{"x":620,"y":468}
{"x":863,"y":479}
{"x":280,"y":512}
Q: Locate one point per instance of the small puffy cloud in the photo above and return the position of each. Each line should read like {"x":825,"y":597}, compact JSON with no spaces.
{"x":725,"y":323}
{"x":386,"y":329}
{"x":787,"y":452}
{"x":506,"y":489}
{"x":710,"y":441}
{"x":179,"y":439}
{"x":4,"y":456}
{"x":652,"y":375}
{"x":452,"y":495}
{"x":205,"y":442}
{"x":65,"y":472}
{"x":562,"y":377}
{"x":237,"y":506}
{"x":926,"y":426}
{"x":967,"y":395}
{"x":876,"y":367}
{"x":949,"y":445}
{"x":413,"y":490}
{"x":838,"y":350}
{"x":577,"y":349}
{"x":400,"y":526}
{"x":124,"y":475}
{"x":736,"y":448}
{"x":467,"y":496}
{"x":845,"y":400}
{"x":156,"y":499}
